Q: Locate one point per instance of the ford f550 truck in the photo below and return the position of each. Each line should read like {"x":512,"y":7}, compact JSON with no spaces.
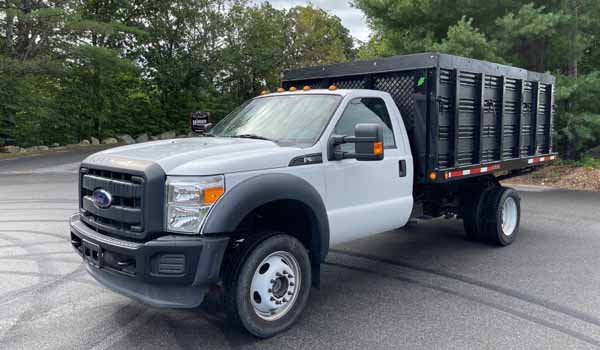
{"x":338,"y":153}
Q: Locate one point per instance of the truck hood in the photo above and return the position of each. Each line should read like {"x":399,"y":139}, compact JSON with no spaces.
{"x":204,"y":155}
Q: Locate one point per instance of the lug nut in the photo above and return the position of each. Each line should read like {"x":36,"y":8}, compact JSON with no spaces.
{"x":285,"y":272}
{"x":272,"y":281}
{"x":290,"y":276}
{"x":291,"y":284}
{"x":270,"y":290}
{"x":278,"y":302}
{"x":277,"y":274}
{"x":272,"y":299}
{"x":290,"y":293}
{"x":284,"y":300}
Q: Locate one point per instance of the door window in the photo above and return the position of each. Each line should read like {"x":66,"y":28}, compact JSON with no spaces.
{"x":365,"y":110}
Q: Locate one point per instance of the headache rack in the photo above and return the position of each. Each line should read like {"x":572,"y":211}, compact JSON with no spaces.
{"x":464,"y":117}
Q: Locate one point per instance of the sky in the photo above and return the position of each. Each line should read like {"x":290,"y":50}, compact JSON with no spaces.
{"x":352,"y":18}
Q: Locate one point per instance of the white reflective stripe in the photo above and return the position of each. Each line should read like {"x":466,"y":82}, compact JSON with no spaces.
{"x":542,"y":159}
{"x":484,"y":169}
{"x":530,"y":161}
{"x":466,"y":172}
{"x":552,"y":157}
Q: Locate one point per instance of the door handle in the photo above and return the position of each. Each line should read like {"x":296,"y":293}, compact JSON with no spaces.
{"x":402,"y":168}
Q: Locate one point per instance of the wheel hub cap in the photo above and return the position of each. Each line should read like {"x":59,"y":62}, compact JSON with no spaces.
{"x":510,"y":215}
{"x":274,"y":285}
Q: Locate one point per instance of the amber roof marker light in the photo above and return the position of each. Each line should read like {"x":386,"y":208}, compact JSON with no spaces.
{"x":306,"y":88}
{"x":332,"y":88}
{"x":280,"y":89}
{"x":292,"y":89}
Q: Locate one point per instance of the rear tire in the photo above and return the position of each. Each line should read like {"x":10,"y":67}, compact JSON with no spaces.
{"x":502,"y":216}
{"x":472,"y":210}
{"x":267,"y":284}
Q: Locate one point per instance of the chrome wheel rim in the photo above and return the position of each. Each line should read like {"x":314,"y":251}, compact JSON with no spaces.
{"x":510,"y":215}
{"x":275,"y":285}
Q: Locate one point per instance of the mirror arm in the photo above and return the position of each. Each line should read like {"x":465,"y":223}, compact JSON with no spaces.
{"x":338,"y":140}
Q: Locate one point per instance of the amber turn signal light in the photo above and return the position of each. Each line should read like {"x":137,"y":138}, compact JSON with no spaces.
{"x":280,"y":89}
{"x":264,"y":92}
{"x":332,"y":88}
{"x":211,"y":195}
{"x":293,"y":88}
{"x":306,"y":88}
{"x":433,"y":176}
{"x":377,"y":148}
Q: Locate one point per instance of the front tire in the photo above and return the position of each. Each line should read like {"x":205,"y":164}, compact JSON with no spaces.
{"x":268,"y":288}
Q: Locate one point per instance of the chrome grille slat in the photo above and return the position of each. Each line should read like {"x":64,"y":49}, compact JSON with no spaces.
{"x":117,"y":188}
{"x":131,"y":216}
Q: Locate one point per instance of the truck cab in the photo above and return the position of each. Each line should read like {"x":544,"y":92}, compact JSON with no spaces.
{"x":163,"y":221}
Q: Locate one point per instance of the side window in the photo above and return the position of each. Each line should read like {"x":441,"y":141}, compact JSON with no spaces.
{"x":366,"y":110}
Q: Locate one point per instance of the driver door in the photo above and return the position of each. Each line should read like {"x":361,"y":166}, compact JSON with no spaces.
{"x":367,"y":197}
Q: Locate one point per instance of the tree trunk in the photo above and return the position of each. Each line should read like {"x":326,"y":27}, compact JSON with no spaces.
{"x":573,"y":64}
{"x":9,"y":31}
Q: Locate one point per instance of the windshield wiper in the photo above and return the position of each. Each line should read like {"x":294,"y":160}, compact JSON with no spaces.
{"x":252,"y":136}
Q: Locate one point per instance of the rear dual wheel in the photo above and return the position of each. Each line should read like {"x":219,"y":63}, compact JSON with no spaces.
{"x":493,"y":216}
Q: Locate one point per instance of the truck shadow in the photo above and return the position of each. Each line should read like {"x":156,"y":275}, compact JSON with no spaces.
{"x":344,"y":294}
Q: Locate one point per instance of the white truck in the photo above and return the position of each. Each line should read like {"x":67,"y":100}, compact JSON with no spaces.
{"x":343,"y":152}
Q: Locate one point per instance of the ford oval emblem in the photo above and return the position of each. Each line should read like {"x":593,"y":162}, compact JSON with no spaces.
{"x":102,"y":198}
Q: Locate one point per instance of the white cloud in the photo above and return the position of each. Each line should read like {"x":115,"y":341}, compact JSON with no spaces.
{"x":352,"y":18}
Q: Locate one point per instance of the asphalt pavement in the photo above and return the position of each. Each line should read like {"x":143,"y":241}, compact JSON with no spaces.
{"x":421,"y":287}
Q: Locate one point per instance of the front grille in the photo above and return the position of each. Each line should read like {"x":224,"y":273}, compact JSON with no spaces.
{"x":125,"y":216}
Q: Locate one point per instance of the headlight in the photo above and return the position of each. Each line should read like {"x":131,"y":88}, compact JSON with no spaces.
{"x":188,"y":201}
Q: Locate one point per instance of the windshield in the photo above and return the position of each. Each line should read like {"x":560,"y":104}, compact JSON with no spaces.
{"x":285,"y":119}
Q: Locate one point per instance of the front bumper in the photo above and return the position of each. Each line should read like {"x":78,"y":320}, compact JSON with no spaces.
{"x":171,"y":271}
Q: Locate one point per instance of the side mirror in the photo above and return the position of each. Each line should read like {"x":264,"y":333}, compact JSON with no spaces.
{"x":368,"y":141}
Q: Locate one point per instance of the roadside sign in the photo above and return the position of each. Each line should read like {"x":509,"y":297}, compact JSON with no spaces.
{"x":198,"y":121}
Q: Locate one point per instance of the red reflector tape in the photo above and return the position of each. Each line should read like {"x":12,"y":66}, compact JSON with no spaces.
{"x":540,"y":159}
{"x":474,"y":171}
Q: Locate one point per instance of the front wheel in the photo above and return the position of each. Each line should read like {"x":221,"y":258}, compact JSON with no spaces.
{"x":269,"y":286}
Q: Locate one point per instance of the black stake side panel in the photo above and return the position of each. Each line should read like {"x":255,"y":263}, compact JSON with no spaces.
{"x":454,"y":119}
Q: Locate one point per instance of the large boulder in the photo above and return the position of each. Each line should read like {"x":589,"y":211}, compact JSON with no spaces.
{"x":54,"y":145}
{"x":10,"y":149}
{"x":84,"y":142}
{"x":36,"y":148}
{"x":154,"y":138}
{"x":126,"y":139}
{"x":142,"y":138}
{"x":109,"y":141}
{"x":95,"y":141}
{"x":168,"y":135}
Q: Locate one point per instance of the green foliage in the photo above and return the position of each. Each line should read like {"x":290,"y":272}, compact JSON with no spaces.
{"x":559,"y":36}
{"x":577,"y":123}
{"x":590,"y":163}
{"x":464,"y":39}
{"x":316,"y":37}
{"x":74,"y":69}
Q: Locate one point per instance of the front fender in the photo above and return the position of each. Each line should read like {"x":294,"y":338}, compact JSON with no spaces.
{"x":254,"y":192}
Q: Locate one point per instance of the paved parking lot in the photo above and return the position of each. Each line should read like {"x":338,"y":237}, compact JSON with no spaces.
{"x":421,"y":287}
